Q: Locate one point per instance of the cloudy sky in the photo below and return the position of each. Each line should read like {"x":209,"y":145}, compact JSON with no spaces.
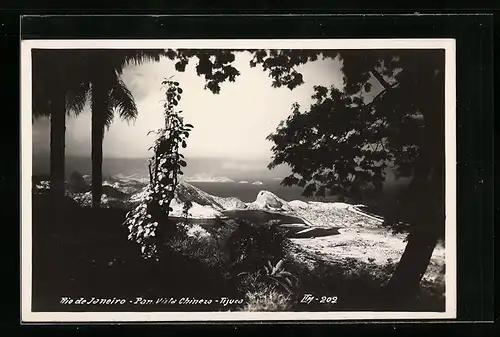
{"x":232,"y":124}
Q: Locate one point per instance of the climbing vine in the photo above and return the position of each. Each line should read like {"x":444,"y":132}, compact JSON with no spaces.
{"x":165,"y":166}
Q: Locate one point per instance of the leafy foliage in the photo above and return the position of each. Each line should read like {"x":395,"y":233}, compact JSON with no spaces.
{"x":251,"y":246}
{"x":58,"y":70}
{"x":80,"y":75}
{"x":328,"y":150}
{"x":348,"y":137}
{"x":389,"y":113}
{"x":214,"y":65}
{"x":164,"y":167}
{"x":281,"y":276}
{"x":275,"y":275}
{"x":74,"y":70}
{"x":198,"y":245}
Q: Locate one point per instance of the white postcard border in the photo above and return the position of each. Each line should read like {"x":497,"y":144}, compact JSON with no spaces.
{"x":27,"y":315}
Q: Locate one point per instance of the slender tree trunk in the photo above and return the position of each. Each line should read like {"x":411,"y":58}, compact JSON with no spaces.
{"x":57,"y":145}
{"x":99,"y":108}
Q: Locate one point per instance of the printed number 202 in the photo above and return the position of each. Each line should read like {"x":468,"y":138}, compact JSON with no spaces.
{"x":325,"y":299}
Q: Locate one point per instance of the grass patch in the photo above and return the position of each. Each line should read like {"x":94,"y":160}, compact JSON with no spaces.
{"x":266,"y":298}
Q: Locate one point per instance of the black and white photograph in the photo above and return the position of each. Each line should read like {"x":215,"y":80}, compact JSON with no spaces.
{"x":216,"y":180}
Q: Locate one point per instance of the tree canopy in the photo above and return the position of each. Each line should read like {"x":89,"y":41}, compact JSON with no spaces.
{"x":345,"y":140}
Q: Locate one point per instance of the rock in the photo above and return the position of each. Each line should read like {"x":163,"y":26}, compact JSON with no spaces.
{"x":204,"y":205}
{"x":185,"y":192}
{"x":196,"y":211}
{"x":231,"y":203}
{"x":269,"y":201}
{"x":113,"y":192}
{"x":77,"y":183}
{"x":88,"y":179}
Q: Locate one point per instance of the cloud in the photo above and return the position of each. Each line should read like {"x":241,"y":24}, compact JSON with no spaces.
{"x":234,"y":123}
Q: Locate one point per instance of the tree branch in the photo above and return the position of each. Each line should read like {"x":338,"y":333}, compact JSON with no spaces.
{"x":386,"y":86}
{"x":381,"y":79}
{"x":375,"y":99}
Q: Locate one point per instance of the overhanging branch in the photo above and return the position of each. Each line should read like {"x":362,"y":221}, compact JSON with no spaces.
{"x":381,"y":79}
{"x":387,"y":86}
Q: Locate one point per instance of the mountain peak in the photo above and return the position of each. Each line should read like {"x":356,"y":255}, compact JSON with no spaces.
{"x":268,"y":200}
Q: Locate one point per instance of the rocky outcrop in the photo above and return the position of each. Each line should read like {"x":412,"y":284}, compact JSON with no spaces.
{"x":187,"y":192}
{"x":77,"y":184}
{"x":204,"y":205}
{"x":231,"y":203}
{"x":269,"y":201}
{"x":113,"y":192}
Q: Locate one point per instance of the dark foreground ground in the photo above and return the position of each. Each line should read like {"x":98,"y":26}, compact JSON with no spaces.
{"x":84,"y":254}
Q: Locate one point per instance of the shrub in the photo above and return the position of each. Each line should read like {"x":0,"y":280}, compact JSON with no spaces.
{"x":223,"y":231}
{"x":274,"y":276}
{"x":196,"y":243}
{"x":280,"y":276}
{"x":251,"y":246}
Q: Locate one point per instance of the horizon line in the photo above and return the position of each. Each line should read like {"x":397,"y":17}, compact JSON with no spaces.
{"x":47,"y":153}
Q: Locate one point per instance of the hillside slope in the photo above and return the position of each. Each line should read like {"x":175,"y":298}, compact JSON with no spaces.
{"x":361,"y":238}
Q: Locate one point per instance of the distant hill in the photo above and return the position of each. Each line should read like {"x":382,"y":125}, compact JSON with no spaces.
{"x":198,"y":168}
{"x":111,"y":166}
{"x":202,"y":171}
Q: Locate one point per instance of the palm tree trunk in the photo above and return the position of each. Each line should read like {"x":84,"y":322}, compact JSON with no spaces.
{"x":57,"y":146}
{"x":99,"y":108}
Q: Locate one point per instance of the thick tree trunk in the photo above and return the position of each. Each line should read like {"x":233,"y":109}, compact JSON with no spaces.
{"x":427,"y":199}
{"x":57,"y":146}
{"x":404,"y":284}
{"x":99,"y":108}
{"x":426,"y":217}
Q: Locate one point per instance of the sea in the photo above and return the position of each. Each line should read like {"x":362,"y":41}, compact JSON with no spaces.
{"x":211,"y":175}
{"x":248,"y":192}
{"x":238,"y":183}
